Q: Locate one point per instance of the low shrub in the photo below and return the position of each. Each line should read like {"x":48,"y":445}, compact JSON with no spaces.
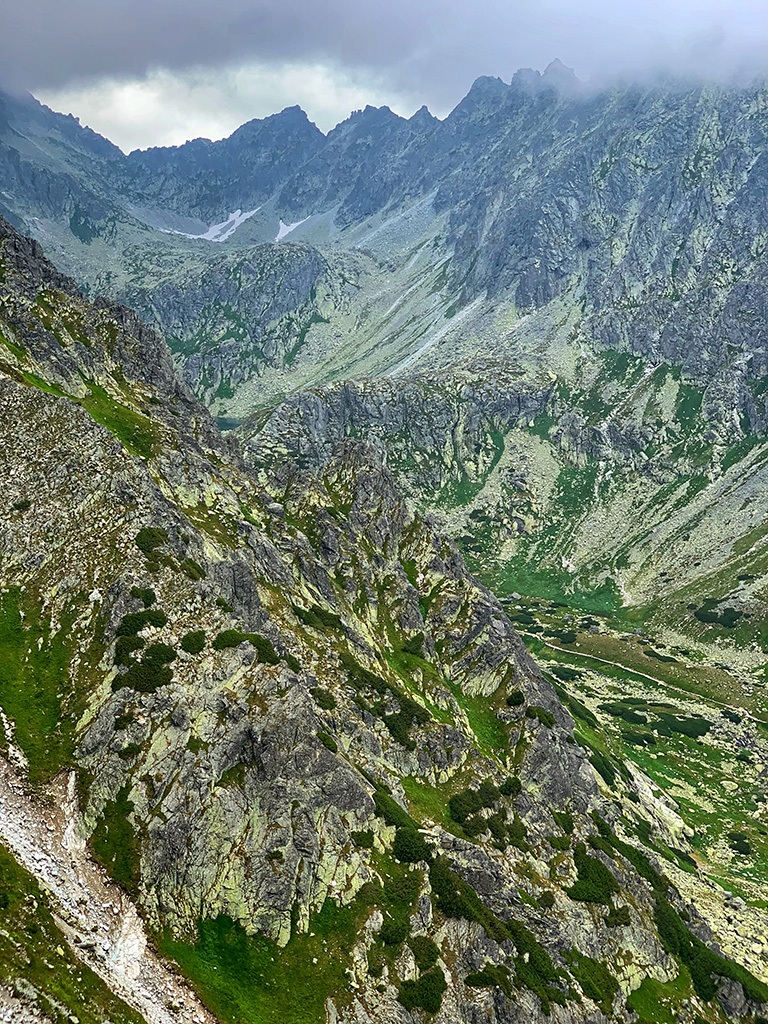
{"x":317,"y":617}
{"x":149,"y":538}
{"x":414,"y":645}
{"x":328,"y":741}
{"x":491,"y":976}
{"x":541,"y":714}
{"x":363,"y":839}
{"x":511,"y":786}
{"x":390,"y":810}
{"x":323,"y":698}
{"x":559,"y":842}
{"x":134,"y":622}
{"x":425,"y":993}
{"x":596,"y":981}
{"x":565,"y":820}
{"x":124,"y":648}
{"x":617,"y":917}
{"x":158,"y":654}
{"x":426,"y":953}
{"x":595,"y":883}
{"x":518,"y":833}
{"x":146,"y":595}
{"x":739,"y":843}
{"x":565,"y":673}
{"x":410,"y":846}
{"x":193,"y":642}
{"x":474,"y":826}
{"x":192,"y":569}
{"x":395,"y":928}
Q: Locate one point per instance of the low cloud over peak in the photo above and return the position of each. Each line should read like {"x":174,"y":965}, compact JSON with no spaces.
{"x":403,"y":53}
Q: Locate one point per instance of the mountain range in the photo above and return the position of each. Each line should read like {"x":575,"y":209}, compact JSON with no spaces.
{"x":300,"y":429}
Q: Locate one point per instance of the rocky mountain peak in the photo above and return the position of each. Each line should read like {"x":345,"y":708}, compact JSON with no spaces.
{"x":560,"y":77}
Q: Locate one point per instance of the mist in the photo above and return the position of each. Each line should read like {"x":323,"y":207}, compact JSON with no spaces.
{"x":340,"y":51}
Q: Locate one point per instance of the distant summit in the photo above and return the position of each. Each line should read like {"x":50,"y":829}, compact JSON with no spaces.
{"x":556,"y":75}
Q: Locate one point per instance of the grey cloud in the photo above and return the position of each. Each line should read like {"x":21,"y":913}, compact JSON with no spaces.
{"x":434,"y":47}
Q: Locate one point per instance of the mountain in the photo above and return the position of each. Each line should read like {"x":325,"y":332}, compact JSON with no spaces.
{"x":300,"y":729}
{"x":582,"y":212}
{"x":435,"y":687}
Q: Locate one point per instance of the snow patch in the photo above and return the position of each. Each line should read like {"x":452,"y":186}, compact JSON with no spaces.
{"x":219,"y":232}
{"x":286,"y":229}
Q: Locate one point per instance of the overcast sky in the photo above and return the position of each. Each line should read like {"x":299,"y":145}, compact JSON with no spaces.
{"x":149,"y":72}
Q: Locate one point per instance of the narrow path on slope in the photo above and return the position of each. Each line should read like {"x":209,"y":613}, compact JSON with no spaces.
{"x":99,"y":921}
{"x":644,"y":675}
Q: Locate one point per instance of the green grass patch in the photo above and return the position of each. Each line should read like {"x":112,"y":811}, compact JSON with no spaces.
{"x":135,"y":432}
{"x":657,"y":1002}
{"x":491,"y":733}
{"x":36,"y":685}
{"x":115,"y":844}
{"x":245,"y":979}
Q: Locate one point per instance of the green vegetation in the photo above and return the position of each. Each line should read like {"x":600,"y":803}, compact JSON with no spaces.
{"x":565,"y":820}
{"x":245,"y":978}
{"x":596,"y":981}
{"x":229,"y":638}
{"x":657,"y":1002}
{"x":491,"y":733}
{"x":36,"y":960}
{"x":318,"y":618}
{"x":704,"y":964}
{"x":426,"y":953}
{"x":146,"y":595}
{"x":37,"y":687}
{"x":364,"y":839}
{"x":561,"y":843}
{"x":541,"y":715}
{"x":708,"y":613}
{"x":150,"y":673}
{"x":150,"y":537}
{"x":328,"y":742}
{"x":410,"y":846}
{"x":372,"y":691}
{"x":511,"y":786}
{"x":595,"y":883}
{"x":323,"y":698}
{"x":425,"y":992}
{"x":469,"y":801}
{"x":739,"y":843}
{"x":491,"y":976}
{"x":390,"y":810}
{"x":193,"y":642}
{"x":134,"y":622}
{"x":192,"y":569}
{"x":115,"y":844}
{"x":617,"y":917}
{"x":135,"y":432}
